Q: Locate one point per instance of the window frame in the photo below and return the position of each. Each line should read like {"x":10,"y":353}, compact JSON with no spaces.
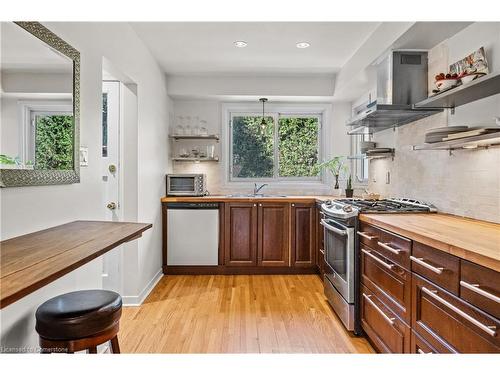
{"x":275,"y":110}
{"x":360,"y":164}
{"x":28,"y":110}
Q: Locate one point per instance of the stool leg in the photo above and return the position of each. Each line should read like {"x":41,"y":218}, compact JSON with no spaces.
{"x":115,"y":347}
{"x":92,"y":350}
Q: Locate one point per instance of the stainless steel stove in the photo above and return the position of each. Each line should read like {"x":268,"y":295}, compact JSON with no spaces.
{"x":350,"y":207}
{"x":340,"y":222}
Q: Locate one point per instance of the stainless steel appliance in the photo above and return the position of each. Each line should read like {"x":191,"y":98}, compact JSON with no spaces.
{"x":186,"y":184}
{"x":340,"y":223}
{"x":401,"y":82}
{"x":193,"y":234}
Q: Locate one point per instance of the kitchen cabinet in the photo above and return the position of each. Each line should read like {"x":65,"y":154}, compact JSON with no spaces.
{"x":387,"y":332}
{"x":240,"y":234}
{"x":269,"y":234}
{"x":418,"y":299}
{"x":449,"y":323}
{"x":303,"y":246}
{"x":273,"y":234}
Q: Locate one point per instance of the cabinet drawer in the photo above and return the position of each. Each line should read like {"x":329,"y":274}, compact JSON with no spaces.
{"x":420,"y":346}
{"x":437,"y":266}
{"x":390,"y":282}
{"x":451,"y":324}
{"x":388,"y":333}
{"x":480,"y":286}
{"x":390,"y":245}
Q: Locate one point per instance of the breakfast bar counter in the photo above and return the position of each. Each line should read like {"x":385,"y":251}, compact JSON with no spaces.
{"x":31,"y":261}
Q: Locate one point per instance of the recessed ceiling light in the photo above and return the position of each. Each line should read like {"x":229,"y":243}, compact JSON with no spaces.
{"x":240,"y":44}
{"x":302,"y":45}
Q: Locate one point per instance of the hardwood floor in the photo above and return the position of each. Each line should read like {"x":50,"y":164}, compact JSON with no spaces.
{"x":236,"y":314}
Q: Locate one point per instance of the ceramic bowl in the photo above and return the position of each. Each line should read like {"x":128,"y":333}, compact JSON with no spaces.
{"x":444,"y":84}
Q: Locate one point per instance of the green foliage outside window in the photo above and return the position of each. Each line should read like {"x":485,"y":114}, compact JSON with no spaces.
{"x":253,"y":147}
{"x":54,"y":142}
{"x":298,"y":146}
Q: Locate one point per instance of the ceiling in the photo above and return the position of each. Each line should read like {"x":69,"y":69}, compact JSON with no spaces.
{"x":23,"y":52}
{"x":207,"y":47}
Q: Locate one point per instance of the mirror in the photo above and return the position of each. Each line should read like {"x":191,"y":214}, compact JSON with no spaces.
{"x":39,"y":102}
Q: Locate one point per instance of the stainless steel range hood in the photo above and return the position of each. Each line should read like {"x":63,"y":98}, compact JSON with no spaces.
{"x":401,"y":82}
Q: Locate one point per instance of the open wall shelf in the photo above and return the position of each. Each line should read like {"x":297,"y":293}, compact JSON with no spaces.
{"x":480,"y":141}
{"x":373,"y":156}
{"x":216,"y":159}
{"x":177,"y":137}
{"x":480,"y":88}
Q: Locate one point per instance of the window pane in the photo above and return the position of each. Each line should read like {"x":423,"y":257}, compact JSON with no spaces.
{"x":105,"y":124}
{"x":298,"y":146}
{"x":54,"y":142}
{"x":253,"y":147}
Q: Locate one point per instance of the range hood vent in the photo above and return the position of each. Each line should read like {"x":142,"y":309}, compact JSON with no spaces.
{"x":401,"y":82}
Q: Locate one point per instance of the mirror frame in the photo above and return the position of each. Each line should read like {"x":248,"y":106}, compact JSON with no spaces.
{"x":34,"y":177}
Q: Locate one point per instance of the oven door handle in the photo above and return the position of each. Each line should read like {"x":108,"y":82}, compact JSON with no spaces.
{"x":333,"y":229}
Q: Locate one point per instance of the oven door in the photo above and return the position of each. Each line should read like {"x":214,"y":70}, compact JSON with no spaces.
{"x":339,"y":257}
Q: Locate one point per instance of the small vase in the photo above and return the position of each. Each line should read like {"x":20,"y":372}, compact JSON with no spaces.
{"x":349,"y":193}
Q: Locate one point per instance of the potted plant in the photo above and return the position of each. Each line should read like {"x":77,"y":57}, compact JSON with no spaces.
{"x":348,"y":189}
{"x":336,"y":166}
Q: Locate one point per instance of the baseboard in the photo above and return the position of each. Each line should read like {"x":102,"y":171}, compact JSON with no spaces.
{"x":138,"y":300}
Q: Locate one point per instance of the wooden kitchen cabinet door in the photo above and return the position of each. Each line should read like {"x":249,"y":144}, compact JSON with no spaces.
{"x":273,"y":234}
{"x":303,"y":246}
{"x":240,"y":234}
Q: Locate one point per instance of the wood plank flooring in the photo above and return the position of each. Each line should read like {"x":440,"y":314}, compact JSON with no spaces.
{"x":236,"y":314}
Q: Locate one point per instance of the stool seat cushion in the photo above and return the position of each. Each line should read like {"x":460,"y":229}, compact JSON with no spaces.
{"x":78,"y":314}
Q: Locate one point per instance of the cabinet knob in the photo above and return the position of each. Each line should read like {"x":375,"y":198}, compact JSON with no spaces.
{"x":293,"y":204}
{"x":260,"y":204}
{"x":255,"y":205}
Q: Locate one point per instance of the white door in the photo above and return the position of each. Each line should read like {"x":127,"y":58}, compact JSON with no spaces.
{"x":110,"y":164}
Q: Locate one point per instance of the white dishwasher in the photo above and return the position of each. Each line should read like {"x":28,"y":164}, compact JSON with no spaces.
{"x":193,"y":234}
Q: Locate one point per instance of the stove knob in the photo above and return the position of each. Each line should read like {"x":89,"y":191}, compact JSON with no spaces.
{"x":347,"y":208}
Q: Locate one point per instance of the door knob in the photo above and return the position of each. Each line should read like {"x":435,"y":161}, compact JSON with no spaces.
{"x":112,"y":168}
{"x":111,"y":205}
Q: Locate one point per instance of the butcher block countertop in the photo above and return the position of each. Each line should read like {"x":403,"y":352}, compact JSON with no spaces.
{"x":30,"y":262}
{"x":271,"y":199}
{"x":473,"y":240}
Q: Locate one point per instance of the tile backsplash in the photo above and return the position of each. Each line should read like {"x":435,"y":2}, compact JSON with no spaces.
{"x":465,"y":183}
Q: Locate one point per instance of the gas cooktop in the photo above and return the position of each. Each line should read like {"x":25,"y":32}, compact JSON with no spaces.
{"x":349,"y":207}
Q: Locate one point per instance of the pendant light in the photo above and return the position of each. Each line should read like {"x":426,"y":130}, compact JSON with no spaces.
{"x":263,"y":122}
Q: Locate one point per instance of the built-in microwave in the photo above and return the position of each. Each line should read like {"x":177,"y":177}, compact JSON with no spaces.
{"x":186,"y":184}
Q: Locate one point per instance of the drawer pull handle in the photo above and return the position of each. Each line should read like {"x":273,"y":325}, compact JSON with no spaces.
{"x":380,"y":261}
{"x":475,"y":288}
{"x":384,"y":315}
{"x":367,"y":236}
{"x":390,"y":248}
{"x":490,"y":330}
{"x":420,"y":351}
{"x":438,"y":270}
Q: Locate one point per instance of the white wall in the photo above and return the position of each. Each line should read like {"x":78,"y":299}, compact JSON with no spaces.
{"x":466,"y":183}
{"x":336,"y":142}
{"x":28,"y":209}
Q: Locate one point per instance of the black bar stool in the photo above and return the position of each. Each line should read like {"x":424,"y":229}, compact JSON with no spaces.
{"x":79,"y":321}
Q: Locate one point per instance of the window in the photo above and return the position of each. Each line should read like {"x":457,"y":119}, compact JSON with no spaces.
{"x":286,"y":146}
{"x":47,"y":134}
{"x":104,"y":124}
{"x":52,"y":133}
{"x":360,"y":164}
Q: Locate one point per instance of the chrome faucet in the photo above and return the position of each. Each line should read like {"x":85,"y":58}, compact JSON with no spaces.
{"x":257,"y":189}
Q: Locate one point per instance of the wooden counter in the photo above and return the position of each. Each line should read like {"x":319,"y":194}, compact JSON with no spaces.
{"x":32,"y":261}
{"x":473,"y":240}
{"x":226,"y":198}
